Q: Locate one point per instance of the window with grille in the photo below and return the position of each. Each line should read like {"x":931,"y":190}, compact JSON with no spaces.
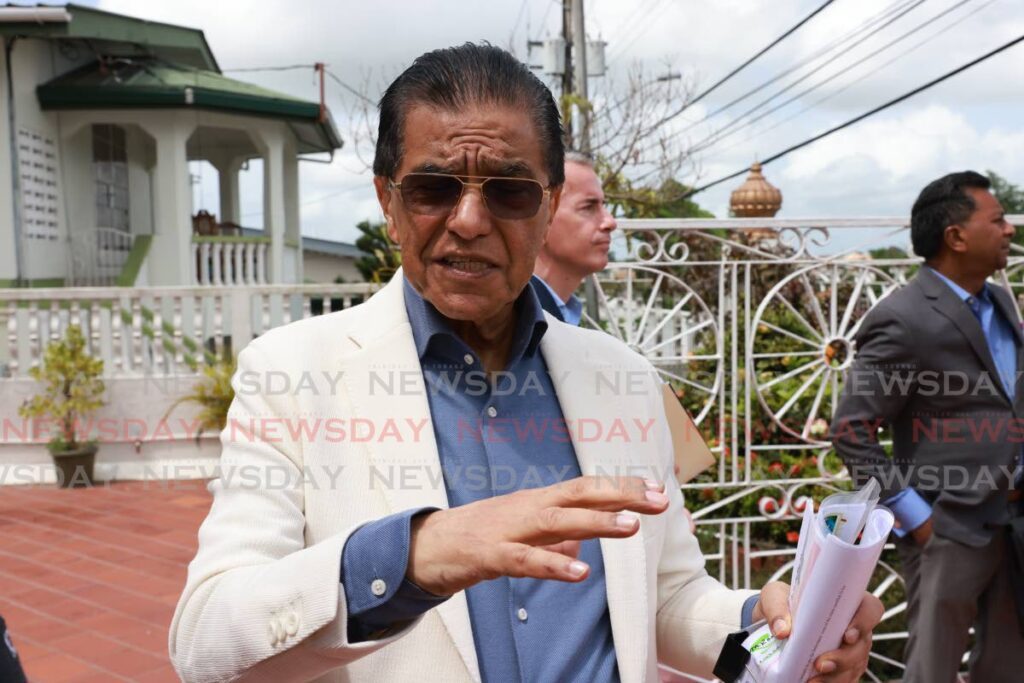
{"x":110,"y":166}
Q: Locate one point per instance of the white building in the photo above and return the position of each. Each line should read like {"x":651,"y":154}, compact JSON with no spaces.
{"x":102,"y":114}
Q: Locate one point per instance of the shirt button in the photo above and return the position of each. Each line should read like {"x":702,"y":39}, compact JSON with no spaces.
{"x":521,"y":614}
{"x":378,"y":587}
{"x":468,"y":358}
{"x":492,"y":411}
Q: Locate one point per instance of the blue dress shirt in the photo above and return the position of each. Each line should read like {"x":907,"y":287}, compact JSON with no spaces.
{"x":571,"y":310}
{"x":908,"y":506}
{"x":492,"y":439}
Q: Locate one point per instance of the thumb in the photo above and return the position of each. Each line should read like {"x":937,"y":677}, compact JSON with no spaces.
{"x":773,"y":605}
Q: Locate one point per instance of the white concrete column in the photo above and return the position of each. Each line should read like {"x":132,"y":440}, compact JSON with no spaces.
{"x":293,"y":228}
{"x":230,"y":201}
{"x":274,"y":210}
{"x":172,"y":208}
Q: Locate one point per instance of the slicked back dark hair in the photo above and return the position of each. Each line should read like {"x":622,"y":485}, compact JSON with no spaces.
{"x":457,"y":77}
{"x":942,"y":203}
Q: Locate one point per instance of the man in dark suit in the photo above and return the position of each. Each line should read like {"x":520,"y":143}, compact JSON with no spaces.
{"x":10,"y":665}
{"x":577,"y":241}
{"x":937,"y":361}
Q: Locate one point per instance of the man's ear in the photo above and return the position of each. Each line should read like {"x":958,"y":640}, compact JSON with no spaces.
{"x":953,"y":236}
{"x":556,"y":199}
{"x":383,"y":189}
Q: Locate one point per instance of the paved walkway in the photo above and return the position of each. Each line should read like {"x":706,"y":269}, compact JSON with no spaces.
{"x":89,"y":577}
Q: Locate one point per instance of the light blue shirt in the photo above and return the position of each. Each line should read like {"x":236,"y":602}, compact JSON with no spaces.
{"x":571,"y":310}
{"x":908,"y":506}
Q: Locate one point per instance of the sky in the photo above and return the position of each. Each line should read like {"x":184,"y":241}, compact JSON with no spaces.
{"x":874,"y":168}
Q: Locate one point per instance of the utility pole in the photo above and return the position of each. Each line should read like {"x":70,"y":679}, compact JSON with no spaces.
{"x":574,"y":82}
{"x":579,"y":42}
{"x":567,"y":72}
{"x":566,"y":57}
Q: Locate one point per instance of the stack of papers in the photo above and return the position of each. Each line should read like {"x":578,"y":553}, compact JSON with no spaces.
{"x":838,"y":550}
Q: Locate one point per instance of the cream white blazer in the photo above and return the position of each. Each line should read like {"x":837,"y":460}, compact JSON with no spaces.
{"x":263,"y":600}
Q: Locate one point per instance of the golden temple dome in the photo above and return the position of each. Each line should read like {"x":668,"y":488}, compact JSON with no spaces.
{"x":756,"y":197}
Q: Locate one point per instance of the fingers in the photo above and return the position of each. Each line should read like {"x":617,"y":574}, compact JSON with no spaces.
{"x":847,"y":663}
{"x":568,"y":548}
{"x":851,"y":659}
{"x":521,"y":560}
{"x":645,"y":496}
{"x":773,"y":606}
{"x":868,"y":614}
{"x":557,"y":524}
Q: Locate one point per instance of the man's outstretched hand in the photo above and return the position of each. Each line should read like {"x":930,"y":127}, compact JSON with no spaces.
{"x":850,"y":661}
{"x":527,"y":533}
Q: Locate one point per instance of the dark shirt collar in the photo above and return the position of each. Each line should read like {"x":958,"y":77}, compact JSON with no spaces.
{"x":435,"y":337}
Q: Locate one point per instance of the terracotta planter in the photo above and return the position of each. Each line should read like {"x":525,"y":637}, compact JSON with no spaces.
{"x":74,"y":468}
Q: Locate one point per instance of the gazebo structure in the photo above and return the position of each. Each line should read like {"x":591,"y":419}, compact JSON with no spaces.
{"x":106,"y":112}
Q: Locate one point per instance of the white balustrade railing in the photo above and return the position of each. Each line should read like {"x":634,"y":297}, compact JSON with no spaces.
{"x":156,"y":331}
{"x":230,"y":261}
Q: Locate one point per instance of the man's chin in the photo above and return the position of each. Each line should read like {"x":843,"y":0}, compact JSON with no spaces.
{"x":468,"y":306}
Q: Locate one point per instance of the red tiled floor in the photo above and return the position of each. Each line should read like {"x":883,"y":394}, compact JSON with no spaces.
{"x":89,"y":577}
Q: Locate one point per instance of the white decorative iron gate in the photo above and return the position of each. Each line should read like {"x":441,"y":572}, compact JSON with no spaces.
{"x":752,"y":322}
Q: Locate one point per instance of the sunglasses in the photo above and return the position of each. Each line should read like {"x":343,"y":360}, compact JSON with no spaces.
{"x":436,"y":194}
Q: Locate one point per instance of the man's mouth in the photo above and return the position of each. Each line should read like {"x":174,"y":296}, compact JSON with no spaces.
{"x":466,"y":265}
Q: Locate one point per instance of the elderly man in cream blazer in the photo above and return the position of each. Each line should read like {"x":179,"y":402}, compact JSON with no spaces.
{"x":376,"y":520}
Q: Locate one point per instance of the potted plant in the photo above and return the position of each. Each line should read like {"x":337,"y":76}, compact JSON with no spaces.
{"x":213,"y":394}
{"x":72,"y":390}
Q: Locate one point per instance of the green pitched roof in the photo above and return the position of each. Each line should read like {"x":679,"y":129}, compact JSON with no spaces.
{"x":150,"y":84}
{"x":116,"y":34}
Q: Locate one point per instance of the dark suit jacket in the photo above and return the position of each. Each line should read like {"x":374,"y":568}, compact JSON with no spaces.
{"x":547,"y":302}
{"x":923,"y":368}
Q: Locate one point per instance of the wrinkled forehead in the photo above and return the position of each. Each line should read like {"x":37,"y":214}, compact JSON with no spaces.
{"x":478,"y":139}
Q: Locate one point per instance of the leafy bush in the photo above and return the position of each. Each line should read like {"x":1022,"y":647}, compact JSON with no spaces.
{"x":72,"y":389}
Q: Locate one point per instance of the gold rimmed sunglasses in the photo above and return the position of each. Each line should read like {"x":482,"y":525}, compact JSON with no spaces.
{"x":436,"y":194}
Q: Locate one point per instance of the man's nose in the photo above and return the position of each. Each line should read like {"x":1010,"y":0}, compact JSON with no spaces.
{"x":470,"y":217}
{"x":1010,"y":230}
{"x":608,"y":223}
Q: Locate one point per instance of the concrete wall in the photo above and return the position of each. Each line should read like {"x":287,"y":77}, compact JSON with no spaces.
{"x":34,"y":62}
{"x":319,"y":267}
{"x":137,"y":442}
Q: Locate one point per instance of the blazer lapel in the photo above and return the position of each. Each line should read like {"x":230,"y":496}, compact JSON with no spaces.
{"x":385,"y":381}
{"x":946,"y":302}
{"x":1007,"y":305}
{"x":574,"y":374}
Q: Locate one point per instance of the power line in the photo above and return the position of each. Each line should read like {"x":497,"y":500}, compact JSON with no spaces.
{"x":519,"y":17}
{"x":863,"y":116}
{"x":271,"y":68}
{"x":872,"y":26}
{"x":634,"y":22}
{"x":349,"y":88}
{"x":860,"y":78}
{"x":744,"y":65}
{"x":317,"y":200}
{"x":736,"y":126}
{"x":644,"y":25}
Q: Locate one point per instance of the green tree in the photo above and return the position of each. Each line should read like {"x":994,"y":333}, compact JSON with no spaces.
{"x":1011,"y":197}
{"x":632,"y":200}
{"x":382,"y":255}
